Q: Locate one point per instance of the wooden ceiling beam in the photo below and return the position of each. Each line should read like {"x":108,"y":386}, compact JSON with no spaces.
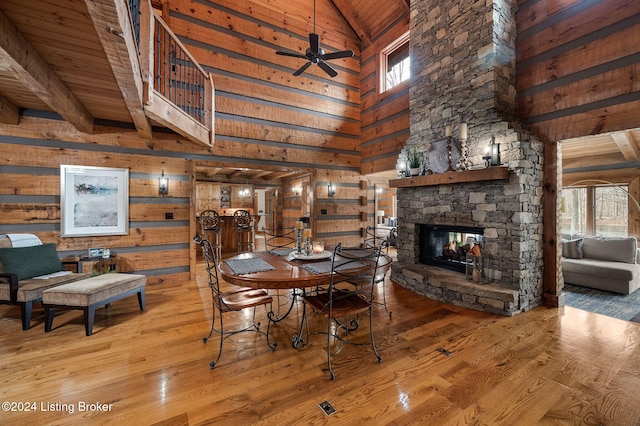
{"x":27,"y":66}
{"x":112,"y":23}
{"x":350,"y":14}
{"x":626,"y":144}
{"x":9,"y":113}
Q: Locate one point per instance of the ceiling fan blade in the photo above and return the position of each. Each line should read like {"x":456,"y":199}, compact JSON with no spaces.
{"x":338,"y":55}
{"x":327,"y":68}
{"x":292,"y":54}
{"x":314,"y":43}
{"x":302,"y":69}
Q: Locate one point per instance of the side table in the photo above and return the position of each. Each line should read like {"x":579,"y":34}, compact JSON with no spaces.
{"x":104,"y":264}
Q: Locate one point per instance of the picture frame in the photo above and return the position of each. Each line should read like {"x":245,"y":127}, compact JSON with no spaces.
{"x":94,"y":201}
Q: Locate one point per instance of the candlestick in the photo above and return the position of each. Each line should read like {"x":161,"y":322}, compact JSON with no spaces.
{"x":447,"y":130}
{"x":299,"y":224}
{"x":306,"y":232}
{"x":298,"y":241}
{"x":450,"y":168}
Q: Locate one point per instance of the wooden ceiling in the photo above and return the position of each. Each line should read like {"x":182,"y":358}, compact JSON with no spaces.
{"x":52,"y":59}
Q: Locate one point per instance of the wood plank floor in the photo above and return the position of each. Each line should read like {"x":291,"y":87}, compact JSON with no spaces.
{"x":547,"y":366}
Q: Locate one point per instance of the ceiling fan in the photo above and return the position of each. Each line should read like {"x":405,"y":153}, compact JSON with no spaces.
{"x":315,"y":54}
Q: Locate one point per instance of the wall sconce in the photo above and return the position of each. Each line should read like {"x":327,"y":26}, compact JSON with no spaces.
{"x":331,"y":189}
{"x":163,"y":184}
{"x":491,"y":155}
{"x":296,"y":191}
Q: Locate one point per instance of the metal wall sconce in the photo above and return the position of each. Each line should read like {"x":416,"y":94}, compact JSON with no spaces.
{"x":331,"y":189}
{"x":491,"y":155}
{"x":163,"y":184}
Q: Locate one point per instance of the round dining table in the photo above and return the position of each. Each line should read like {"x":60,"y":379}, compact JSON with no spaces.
{"x":288,"y":271}
{"x":282,"y":272}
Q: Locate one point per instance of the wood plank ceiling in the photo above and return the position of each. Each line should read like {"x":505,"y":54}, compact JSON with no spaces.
{"x":55,"y":76}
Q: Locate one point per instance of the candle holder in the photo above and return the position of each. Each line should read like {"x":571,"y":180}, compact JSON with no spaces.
{"x":463,"y":162}
{"x":307,"y":246}
{"x":299,"y":241}
{"x":450,"y":168}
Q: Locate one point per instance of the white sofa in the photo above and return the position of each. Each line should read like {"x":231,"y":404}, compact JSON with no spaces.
{"x":611,"y":264}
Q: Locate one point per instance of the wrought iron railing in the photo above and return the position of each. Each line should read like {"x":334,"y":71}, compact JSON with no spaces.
{"x":134,"y":14}
{"x":177,"y":76}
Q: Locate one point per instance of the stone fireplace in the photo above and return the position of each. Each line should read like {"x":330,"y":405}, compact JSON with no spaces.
{"x":464,"y":53}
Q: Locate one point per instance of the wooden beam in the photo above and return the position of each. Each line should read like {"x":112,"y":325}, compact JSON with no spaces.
{"x":112,"y":23}
{"x":27,"y":66}
{"x":9,"y":113}
{"x":627,"y":145}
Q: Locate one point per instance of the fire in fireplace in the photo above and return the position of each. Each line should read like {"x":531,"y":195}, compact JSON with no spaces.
{"x":447,"y":246}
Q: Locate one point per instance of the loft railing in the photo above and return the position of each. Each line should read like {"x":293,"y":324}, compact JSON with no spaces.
{"x":134,"y":14}
{"x":176,"y":76}
{"x":175,"y":80}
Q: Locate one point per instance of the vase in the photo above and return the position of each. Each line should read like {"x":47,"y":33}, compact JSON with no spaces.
{"x":415,"y":171}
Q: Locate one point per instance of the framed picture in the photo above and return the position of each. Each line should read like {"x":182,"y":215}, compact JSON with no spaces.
{"x":93,"y":201}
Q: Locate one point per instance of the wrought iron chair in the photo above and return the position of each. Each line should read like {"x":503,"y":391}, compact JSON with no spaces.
{"x":349,"y":294}
{"x":231,"y":301}
{"x":281,"y":243}
{"x":212,"y":227}
{"x":244,"y":229}
{"x":371,"y":239}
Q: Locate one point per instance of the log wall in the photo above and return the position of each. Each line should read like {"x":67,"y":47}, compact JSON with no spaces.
{"x":263,"y":112}
{"x":385,"y":116}
{"x":577,"y":66}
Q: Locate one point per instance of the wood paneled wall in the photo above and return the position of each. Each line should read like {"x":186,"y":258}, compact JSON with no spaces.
{"x":343,"y":217}
{"x":385,"y":116}
{"x":30,"y":192}
{"x":265,"y":117}
{"x":578,"y":66}
{"x":263,"y":112}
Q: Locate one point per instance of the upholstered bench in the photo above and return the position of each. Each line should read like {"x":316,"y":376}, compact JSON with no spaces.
{"x":92,"y":293}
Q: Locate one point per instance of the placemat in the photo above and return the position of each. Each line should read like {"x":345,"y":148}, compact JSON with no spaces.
{"x":281,"y":252}
{"x":248,"y":266}
{"x":325,"y":267}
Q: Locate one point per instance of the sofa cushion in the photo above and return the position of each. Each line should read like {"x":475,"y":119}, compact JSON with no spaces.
{"x":602,"y":269}
{"x":612,"y":249}
{"x":572,"y":249}
{"x":29,"y":262}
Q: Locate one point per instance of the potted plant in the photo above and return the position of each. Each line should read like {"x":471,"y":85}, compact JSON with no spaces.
{"x":414,"y":161}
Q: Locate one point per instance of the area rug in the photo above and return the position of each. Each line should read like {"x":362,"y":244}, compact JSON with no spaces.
{"x":621,"y":306}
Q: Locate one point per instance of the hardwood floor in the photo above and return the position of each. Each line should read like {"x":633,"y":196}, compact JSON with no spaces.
{"x":546,"y":366}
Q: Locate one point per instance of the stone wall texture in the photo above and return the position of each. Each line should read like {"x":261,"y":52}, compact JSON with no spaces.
{"x":463,"y":70}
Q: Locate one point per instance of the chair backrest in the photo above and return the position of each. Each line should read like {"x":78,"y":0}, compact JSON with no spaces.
{"x":210,"y":260}
{"x":279,"y":240}
{"x":242,"y":218}
{"x":371,"y":239}
{"x":210,"y":220}
{"x":357,"y":266}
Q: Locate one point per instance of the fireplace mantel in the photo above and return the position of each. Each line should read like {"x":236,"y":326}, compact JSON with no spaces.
{"x":489,"y":173}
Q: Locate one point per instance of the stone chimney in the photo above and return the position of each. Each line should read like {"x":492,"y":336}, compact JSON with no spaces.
{"x":463,"y":70}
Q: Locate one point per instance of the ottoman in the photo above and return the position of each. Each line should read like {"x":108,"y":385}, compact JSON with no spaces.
{"x":91,"y":293}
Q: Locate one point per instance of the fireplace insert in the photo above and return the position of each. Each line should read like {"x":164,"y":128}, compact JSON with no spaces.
{"x":447,"y":246}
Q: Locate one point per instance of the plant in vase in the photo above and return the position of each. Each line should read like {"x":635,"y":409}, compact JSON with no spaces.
{"x":414,"y":160}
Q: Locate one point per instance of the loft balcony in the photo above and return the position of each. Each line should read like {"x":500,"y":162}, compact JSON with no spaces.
{"x":101,"y":61}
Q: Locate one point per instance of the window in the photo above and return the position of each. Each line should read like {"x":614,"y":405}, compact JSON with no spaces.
{"x":596,"y":210}
{"x":395,"y":63}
